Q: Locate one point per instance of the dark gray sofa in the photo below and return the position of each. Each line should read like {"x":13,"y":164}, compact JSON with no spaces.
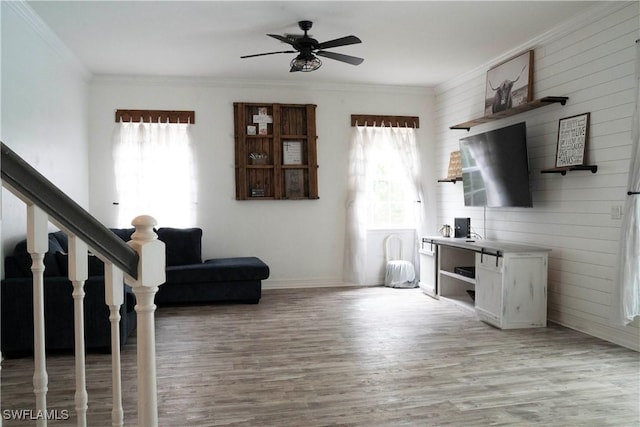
{"x":188,"y":281}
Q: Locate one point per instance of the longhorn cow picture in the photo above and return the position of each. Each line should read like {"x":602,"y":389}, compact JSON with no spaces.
{"x":509,"y":84}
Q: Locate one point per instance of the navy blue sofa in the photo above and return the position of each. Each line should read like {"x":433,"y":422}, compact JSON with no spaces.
{"x":16,"y":297}
{"x":189,"y":281}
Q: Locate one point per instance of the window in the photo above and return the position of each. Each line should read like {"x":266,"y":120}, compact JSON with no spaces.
{"x":155,"y":173}
{"x":389,"y":197}
{"x":384,"y":189}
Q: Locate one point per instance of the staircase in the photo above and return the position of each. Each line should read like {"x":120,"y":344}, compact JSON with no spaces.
{"x":140,"y":263}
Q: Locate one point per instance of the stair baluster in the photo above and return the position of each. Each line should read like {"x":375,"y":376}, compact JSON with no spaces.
{"x":78,"y":274}
{"x":37,"y":246}
{"x":114,"y":298}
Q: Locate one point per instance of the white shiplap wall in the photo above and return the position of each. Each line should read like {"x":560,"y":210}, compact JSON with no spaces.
{"x":590,"y":60}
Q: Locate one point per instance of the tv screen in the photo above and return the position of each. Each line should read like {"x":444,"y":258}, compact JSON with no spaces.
{"x":495,"y":168}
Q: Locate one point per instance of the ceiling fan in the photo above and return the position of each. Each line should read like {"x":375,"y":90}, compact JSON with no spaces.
{"x":307,"y":47}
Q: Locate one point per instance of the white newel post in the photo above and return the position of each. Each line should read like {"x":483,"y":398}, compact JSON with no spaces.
{"x":78,"y":273}
{"x":151,"y":274}
{"x":37,"y":246}
{"x":114,"y":297}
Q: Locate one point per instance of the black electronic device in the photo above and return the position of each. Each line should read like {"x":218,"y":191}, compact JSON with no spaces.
{"x":462,"y":227}
{"x":465,"y":271}
{"x":495,"y":168}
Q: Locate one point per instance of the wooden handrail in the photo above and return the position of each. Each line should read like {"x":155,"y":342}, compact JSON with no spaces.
{"x":29,"y":184}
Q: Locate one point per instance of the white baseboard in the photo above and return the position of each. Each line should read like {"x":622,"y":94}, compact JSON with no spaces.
{"x":304,"y":283}
{"x":312,"y":283}
{"x":607,"y":333}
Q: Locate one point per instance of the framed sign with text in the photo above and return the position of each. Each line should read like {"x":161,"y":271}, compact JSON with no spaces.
{"x":573,"y":133}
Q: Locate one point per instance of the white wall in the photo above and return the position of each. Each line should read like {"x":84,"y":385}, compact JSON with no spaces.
{"x":44,"y":111}
{"x":301,"y":241}
{"x":590,"y":60}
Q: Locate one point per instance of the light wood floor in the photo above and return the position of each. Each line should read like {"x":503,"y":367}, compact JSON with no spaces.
{"x":356,"y":357}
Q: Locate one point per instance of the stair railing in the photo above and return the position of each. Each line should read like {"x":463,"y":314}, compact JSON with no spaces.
{"x":140,"y":263}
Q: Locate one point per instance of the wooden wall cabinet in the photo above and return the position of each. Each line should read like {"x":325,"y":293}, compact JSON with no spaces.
{"x":275,"y":149}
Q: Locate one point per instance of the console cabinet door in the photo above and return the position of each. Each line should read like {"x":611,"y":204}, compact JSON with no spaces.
{"x":428,"y":271}
{"x":525,"y":290}
{"x":489,"y":293}
{"x":512,"y":293}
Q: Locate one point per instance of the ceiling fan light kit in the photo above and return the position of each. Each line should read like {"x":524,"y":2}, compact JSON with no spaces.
{"x":305,"y":63}
{"x":308,"y":47}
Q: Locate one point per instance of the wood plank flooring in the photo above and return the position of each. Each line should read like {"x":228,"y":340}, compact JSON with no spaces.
{"x":353,"y":357}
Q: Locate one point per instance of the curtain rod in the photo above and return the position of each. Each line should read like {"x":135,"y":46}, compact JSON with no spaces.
{"x":149,"y":116}
{"x":397,"y":121}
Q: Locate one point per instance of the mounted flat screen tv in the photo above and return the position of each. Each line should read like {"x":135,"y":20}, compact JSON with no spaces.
{"x":495,"y":168}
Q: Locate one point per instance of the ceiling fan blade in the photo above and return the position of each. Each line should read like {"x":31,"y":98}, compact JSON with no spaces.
{"x":283,"y":39}
{"x":269,"y":53}
{"x":342,"y":41}
{"x":353,"y":60}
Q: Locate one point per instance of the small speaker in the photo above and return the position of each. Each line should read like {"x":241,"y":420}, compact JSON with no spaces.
{"x":462,"y":227}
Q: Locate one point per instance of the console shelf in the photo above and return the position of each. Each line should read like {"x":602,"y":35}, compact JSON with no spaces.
{"x":565,"y":169}
{"x":469,"y":280}
{"x":512,"y":111}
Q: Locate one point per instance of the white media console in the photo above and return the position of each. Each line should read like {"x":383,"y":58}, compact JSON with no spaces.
{"x":508,"y":289}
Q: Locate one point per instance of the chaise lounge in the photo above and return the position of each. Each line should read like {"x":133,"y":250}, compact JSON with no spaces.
{"x":189,"y":280}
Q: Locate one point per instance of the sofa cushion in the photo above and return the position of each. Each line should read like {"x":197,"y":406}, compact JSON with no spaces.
{"x":123,"y":233}
{"x":23,"y":258}
{"x":219,"y":270}
{"x":183,"y":245}
{"x":62,"y":239}
{"x":95,"y":266}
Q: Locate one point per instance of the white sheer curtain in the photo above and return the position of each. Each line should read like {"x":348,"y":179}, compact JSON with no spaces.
{"x":626,"y":288}
{"x":404,"y":141}
{"x":363,"y":140}
{"x":155,"y":173}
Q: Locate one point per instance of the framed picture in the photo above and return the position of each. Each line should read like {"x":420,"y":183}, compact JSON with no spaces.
{"x":509,"y":84}
{"x":292,"y":153}
{"x":573,"y":133}
{"x":294,"y":183}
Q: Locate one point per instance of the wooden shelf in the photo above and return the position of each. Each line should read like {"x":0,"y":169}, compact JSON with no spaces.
{"x":269,"y":178}
{"x":469,"y":280}
{"x":453,"y":180}
{"x":565,"y":169}
{"x":547,"y":100}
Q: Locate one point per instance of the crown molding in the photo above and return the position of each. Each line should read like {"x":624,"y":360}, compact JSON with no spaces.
{"x":46,"y":34}
{"x":555,"y":33}
{"x":258,"y":84}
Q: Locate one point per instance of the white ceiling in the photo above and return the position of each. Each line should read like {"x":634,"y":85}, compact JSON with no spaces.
{"x":415,"y":43}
